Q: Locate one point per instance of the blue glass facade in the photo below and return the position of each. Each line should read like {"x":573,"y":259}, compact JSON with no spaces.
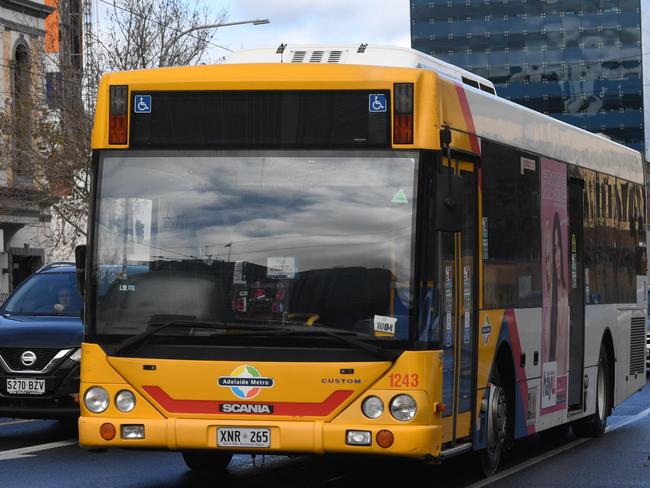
{"x":576,"y":60}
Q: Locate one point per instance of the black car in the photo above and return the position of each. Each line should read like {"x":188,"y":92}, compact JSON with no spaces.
{"x":40,"y":338}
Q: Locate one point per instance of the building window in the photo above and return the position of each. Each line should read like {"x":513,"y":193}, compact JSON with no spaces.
{"x":22,"y":111}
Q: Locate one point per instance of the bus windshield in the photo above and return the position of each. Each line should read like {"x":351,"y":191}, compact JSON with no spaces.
{"x":311,"y":238}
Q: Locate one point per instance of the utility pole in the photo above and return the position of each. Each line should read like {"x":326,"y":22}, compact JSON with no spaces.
{"x":89,"y":56}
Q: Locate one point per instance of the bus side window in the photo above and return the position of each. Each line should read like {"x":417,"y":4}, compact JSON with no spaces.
{"x":511,"y":228}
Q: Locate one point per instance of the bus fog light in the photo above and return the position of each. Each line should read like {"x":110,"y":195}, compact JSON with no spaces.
{"x":135,"y":431}
{"x":358,"y":438}
{"x":125,"y":401}
{"x":96,"y":399}
{"x":372,"y":407}
{"x":403,"y":407}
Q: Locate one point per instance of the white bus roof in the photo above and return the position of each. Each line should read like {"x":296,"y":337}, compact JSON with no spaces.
{"x":494,"y":117}
{"x":507,"y":122}
{"x":397,"y":57}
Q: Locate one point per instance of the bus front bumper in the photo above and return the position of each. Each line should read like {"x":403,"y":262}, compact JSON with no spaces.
{"x":286,"y":437}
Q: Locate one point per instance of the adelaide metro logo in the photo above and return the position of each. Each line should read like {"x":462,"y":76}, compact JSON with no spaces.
{"x":245,"y":382}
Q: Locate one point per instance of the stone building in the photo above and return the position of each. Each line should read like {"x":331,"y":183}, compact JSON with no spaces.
{"x":23,"y":221}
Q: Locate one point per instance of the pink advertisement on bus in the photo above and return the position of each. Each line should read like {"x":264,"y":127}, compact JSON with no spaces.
{"x":555,"y":289}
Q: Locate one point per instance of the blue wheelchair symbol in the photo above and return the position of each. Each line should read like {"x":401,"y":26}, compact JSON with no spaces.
{"x":142,"y":104}
{"x":377,"y":102}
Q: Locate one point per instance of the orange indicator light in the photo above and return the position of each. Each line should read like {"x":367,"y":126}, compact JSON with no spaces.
{"x":107,"y":431}
{"x":385,"y":438}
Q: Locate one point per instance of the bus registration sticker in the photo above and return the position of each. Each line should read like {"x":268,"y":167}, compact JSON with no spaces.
{"x":243,"y":437}
{"x":385,"y":325}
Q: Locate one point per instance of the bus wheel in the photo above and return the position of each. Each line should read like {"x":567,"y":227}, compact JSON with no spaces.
{"x":594,"y":426}
{"x":208,"y":462}
{"x":497,"y":427}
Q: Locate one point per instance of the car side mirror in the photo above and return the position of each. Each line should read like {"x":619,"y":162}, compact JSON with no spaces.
{"x":80,"y":262}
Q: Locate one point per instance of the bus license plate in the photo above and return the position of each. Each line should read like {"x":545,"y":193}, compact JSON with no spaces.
{"x":243,"y":437}
{"x":25,"y":386}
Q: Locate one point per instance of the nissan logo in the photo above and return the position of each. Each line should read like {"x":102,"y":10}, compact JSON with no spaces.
{"x":28,"y":358}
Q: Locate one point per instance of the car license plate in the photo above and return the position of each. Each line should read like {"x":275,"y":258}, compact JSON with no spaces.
{"x":243,"y":437}
{"x":25,"y":386}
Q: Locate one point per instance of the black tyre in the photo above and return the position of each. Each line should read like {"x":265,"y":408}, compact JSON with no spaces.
{"x":498,"y":411}
{"x":207,"y":462}
{"x":594,"y":426}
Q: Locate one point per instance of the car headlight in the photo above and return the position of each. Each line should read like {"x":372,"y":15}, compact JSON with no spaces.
{"x":403,"y":407}
{"x":96,"y":399}
{"x":372,"y":407}
{"x":125,"y":401}
{"x":76,"y":356}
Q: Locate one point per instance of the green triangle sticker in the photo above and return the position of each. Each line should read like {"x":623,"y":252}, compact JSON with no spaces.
{"x":400,"y":197}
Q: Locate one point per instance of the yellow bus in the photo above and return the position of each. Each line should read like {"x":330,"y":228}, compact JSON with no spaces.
{"x":357,"y":250}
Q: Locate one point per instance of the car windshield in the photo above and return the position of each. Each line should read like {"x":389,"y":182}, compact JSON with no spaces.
{"x":312,"y":238}
{"x":45,"y":294}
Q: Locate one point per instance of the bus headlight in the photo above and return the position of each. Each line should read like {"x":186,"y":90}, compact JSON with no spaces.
{"x":96,"y":399}
{"x":372,"y":407}
{"x":125,"y":401}
{"x":403,"y":407}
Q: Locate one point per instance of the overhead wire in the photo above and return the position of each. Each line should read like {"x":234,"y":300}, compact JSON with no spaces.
{"x":178,"y":31}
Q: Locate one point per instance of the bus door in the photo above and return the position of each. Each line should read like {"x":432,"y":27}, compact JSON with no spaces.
{"x":576,"y":295}
{"x":458,"y":316}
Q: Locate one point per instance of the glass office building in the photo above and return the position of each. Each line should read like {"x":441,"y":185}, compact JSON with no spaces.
{"x":576,"y":60}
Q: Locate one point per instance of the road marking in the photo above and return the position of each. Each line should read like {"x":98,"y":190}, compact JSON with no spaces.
{"x":15,"y":422}
{"x":633,"y":418}
{"x":554,"y":452}
{"x":24,"y":452}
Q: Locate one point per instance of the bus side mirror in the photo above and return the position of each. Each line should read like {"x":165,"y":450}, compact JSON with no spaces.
{"x":80,"y":262}
{"x":450,"y":209}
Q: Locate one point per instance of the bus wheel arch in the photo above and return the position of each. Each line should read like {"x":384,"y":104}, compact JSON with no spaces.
{"x":504,"y":361}
{"x":594,"y":425}
{"x":608,"y":344}
{"x":500,"y":404}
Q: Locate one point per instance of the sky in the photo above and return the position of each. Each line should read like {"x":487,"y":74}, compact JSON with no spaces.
{"x":378,"y":22}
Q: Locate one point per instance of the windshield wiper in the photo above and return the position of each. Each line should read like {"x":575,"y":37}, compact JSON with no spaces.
{"x":349,"y":337}
{"x":158,"y":326}
{"x":279,"y":328}
{"x":158,"y":323}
